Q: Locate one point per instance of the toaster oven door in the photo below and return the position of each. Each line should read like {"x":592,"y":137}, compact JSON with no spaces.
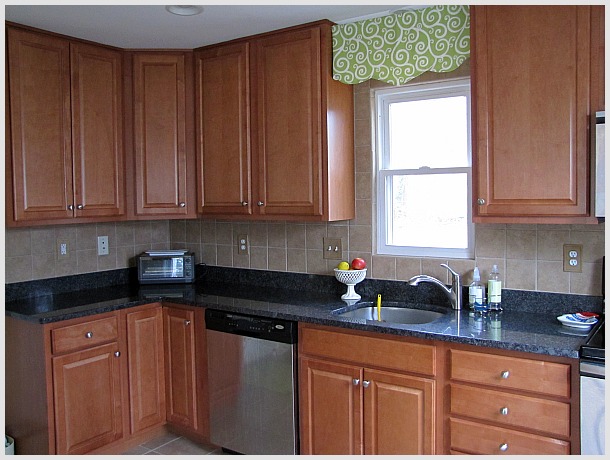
{"x":159,"y":269}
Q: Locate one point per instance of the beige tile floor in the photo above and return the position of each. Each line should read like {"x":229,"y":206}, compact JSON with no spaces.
{"x":171,"y":444}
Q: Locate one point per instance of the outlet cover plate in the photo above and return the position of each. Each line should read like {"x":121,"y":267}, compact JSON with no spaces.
{"x":572,"y":258}
{"x":243,"y":246}
{"x":332,"y":248}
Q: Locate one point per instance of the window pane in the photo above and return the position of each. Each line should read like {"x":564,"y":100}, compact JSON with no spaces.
{"x":429,"y":132}
{"x":429,"y":210}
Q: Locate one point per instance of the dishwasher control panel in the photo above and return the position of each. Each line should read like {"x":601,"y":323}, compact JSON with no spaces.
{"x":277,"y":330}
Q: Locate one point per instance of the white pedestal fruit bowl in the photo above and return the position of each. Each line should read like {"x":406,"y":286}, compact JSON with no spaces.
{"x":350,"y":278}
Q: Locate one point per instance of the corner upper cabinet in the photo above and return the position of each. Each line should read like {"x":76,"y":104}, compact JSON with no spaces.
{"x":66,"y":158}
{"x":290,"y":126}
{"x":163,"y":135}
{"x":531,"y":79}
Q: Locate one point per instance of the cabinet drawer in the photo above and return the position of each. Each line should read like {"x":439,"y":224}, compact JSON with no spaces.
{"x":478,"y":438}
{"x":526,"y":412}
{"x":508,"y":372}
{"x":83,"y":335}
{"x":370,"y":351}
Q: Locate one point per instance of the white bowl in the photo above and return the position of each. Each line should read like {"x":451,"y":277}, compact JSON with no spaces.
{"x":350,"y":276}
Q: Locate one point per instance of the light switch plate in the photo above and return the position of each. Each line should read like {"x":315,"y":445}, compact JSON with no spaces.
{"x":332,"y":248}
{"x":572,"y":258}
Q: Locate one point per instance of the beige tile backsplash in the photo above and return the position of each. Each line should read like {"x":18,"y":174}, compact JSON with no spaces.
{"x":529,"y":256}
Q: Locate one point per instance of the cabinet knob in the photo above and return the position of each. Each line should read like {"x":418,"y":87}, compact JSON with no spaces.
{"x":70,"y":207}
{"x":182,"y":204}
{"x":356,"y":382}
{"x":89,"y":335}
{"x":504,"y":411}
{"x":481,"y":201}
{"x":79,"y":206}
{"x":187,"y":322}
{"x":505,"y":374}
{"x":365,"y":383}
{"x":244,"y":203}
{"x":260,"y":203}
{"x":504,"y":447}
{"x":117,"y":353}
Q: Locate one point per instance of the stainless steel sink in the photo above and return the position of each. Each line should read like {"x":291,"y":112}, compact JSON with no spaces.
{"x":395,"y":313}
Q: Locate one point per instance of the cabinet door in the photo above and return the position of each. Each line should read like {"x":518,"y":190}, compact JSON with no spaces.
{"x":223,"y":130}
{"x":87,"y":397}
{"x":330,"y":408}
{"x":146,"y":368}
{"x":39,"y":97}
{"x":160,"y":134}
{"x":531,"y":80}
{"x":287,"y":136}
{"x":97,"y":120}
{"x":180,"y":365}
{"x":398,"y":414}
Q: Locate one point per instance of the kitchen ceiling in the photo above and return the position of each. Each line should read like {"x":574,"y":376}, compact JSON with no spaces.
{"x":151,"y":26}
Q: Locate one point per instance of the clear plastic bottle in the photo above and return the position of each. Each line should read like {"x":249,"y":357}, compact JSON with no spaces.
{"x":494,"y":289}
{"x":476,"y":292}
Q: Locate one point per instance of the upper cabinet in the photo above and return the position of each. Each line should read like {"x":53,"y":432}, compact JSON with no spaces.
{"x":65,"y":124}
{"x":274,"y":130}
{"x":163,"y":135}
{"x":533,"y":101}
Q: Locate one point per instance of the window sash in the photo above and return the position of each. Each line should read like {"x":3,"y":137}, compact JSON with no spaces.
{"x":384,"y":98}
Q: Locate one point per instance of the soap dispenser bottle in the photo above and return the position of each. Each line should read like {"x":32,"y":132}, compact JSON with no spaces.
{"x":494,"y":290}
{"x":476,"y":293}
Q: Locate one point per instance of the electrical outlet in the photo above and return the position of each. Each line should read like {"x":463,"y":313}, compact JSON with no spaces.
{"x":102,"y":245}
{"x":242,"y":244}
{"x":62,"y":248}
{"x":572,"y":258}
{"x":332,"y":248}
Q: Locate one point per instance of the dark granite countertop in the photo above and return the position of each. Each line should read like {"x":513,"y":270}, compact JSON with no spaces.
{"x":528,"y":329}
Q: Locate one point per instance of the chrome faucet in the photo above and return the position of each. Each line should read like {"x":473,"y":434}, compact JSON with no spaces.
{"x":454,"y":293}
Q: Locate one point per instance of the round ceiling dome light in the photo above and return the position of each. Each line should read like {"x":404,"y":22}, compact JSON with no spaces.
{"x":184,"y":10}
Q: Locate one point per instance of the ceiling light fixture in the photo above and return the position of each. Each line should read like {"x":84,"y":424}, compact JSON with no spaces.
{"x":184,"y":10}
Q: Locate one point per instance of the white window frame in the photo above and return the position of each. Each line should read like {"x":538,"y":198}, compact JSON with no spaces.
{"x":419,"y":91}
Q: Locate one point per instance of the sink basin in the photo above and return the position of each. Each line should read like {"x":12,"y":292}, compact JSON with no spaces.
{"x":396,"y":313}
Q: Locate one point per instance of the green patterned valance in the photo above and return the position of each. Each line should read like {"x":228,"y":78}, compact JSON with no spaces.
{"x":401,"y":46}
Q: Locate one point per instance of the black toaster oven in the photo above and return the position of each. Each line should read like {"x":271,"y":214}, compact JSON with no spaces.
{"x":166,"y":267}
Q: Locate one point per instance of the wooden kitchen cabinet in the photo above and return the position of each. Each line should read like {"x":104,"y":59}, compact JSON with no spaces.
{"x":502,"y":404}
{"x":66,"y":162}
{"x":532,"y":71}
{"x":163,"y":119}
{"x":350,"y":407}
{"x":274,"y":130}
{"x":185,"y":368}
{"x":86,"y":385}
{"x":146,"y":369}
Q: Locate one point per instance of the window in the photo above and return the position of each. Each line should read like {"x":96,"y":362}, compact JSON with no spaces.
{"x":424,"y":170}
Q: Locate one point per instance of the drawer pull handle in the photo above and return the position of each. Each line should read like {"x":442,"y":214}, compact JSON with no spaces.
{"x":182,"y":204}
{"x":187,"y":322}
{"x":244,"y":203}
{"x":504,"y":447}
{"x":504,"y":411}
{"x":365,"y":383}
{"x":260,"y":203}
{"x":505,"y":374}
{"x":79,"y":206}
{"x":356,"y":382}
{"x":117,"y":353}
{"x":89,"y":335}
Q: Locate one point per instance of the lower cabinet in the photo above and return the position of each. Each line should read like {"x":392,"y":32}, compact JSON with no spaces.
{"x":110,"y":379}
{"x":87,"y":399}
{"x":185,"y":365}
{"x":145,"y":362}
{"x":509,"y":405}
{"x":357,"y":409}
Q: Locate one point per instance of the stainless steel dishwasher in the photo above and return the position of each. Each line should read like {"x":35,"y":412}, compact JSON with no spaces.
{"x":252,"y":368}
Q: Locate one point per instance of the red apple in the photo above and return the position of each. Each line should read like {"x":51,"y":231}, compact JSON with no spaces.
{"x":358,"y":263}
